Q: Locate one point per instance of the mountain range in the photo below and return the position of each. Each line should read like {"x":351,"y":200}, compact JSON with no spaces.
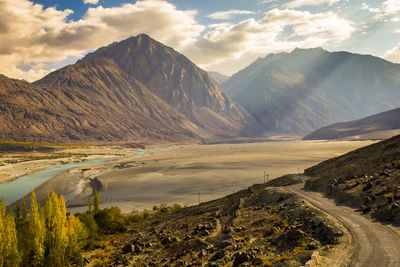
{"x":140,"y":89}
{"x":380,"y":126}
{"x":134,"y":89}
{"x":301,"y":91}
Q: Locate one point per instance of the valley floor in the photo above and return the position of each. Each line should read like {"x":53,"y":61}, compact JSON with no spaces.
{"x":182,"y":174}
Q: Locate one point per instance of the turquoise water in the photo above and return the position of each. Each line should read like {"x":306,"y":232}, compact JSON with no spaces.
{"x":17,"y":189}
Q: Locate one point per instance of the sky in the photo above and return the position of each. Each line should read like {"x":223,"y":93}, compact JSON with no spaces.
{"x":40,"y":36}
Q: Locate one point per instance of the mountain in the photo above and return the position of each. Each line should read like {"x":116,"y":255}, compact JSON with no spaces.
{"x":301,"y":91}
{"x":383,"y":125}
{"x":218,"y":77}
{"x":180,"y":83}
{"x":90,"y":107}
{"x":130,"y":90}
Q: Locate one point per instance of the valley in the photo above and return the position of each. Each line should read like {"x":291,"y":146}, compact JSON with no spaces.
{"x":179,"y":173}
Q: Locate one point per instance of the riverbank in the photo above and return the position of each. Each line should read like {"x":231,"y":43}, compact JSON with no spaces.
{"x":180,"y":174}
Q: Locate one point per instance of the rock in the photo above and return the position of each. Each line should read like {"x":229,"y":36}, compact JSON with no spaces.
{"x":218,"y":255}
{"x":242,"y":257}
{"x":128,"y":248}
{"x":224,"y":244}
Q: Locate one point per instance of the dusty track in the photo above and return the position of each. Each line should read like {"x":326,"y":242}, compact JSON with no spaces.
{"x":375,"y":244}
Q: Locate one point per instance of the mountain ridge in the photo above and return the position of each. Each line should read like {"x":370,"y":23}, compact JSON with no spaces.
{"x":307,"y":89}
{"x":122,"y":95}
{"x":387,"y":121}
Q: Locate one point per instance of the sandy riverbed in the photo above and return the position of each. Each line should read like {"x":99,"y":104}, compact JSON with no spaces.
{"x":179,"y":174}
{"x":14,"y":165}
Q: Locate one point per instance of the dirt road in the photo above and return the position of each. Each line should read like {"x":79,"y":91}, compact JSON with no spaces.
{"x":375,"y":244}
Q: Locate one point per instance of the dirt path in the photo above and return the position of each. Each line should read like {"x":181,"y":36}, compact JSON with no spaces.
{"x":374,"y":244}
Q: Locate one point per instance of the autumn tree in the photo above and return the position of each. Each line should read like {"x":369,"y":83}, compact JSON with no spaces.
{"x":24,"y":211}
{"x":36,"y":233}
{"x":76,"y":236}
{"x":55,"y":220}
{"x":89,"y":205}
{"x":96,"y":201}
{"x":9,"y":255}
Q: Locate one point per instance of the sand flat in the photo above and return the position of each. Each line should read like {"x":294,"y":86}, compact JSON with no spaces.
{"x":178,"y":175}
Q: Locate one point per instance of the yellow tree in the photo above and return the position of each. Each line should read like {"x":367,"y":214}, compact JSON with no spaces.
{"x":96,"y":201}
{"x":36,"y":233}
{"x":76,"y":235}
{"x":17,"y":212}
{"x":1,"y":237}
{"x":10,"y":241}
{"x":55,"y":218}
{"x":24,"y":211}
{"x":89,"y":205}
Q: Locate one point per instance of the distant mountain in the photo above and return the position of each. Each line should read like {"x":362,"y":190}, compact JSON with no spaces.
{"x":301,"y":91}
{"x":381,"y":126}
{"x":218,"y":77}
{"x":134,"y":89}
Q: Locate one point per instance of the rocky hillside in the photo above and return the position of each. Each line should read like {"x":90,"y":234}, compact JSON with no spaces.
{"x":98,"y":102}
{"x":367,"y":178}
{"x":253,"y":227}
{"x":137,"y":89}
{"x":381,"y":126}
{"x":307,"y":89}
{"x":180,"y":83}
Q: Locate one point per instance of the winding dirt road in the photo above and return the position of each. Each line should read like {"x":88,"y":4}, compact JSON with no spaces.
{"x":375,"y":244}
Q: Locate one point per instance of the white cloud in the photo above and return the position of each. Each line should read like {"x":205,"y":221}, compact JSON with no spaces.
{"x":386,"y":10}
{"x":241,"y":43}
{"x":300,"y":3}
{"x":42,"y":37}
{"x":33,"y":36}
{"x":229,"y":14}
{"x":93,"y":2}
{"x":393,"y":54}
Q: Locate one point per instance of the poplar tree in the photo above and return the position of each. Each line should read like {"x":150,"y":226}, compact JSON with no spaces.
{"x":24,"y":211}
{"x":55,"y":218}
{"x":10,"y":253}
{"x":77,"y":236}
{"x":36,"y":233}
{"x":96,"y":201}
{"x":17,"y":212}
{"x":1,"y":238}
{"x":89,"y":205}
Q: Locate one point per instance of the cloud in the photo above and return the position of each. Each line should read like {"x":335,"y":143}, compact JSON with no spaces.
{"x":42,"y":36}
{"x":393,"y":54}
{"x":229,"y":14}
{"x":93,"y":2}
{"x":385,"y":11}
{"x":241,"y":43}
{"x":300,"y":3}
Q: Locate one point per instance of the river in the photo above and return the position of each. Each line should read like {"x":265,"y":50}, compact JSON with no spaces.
{"x":22,"y":186}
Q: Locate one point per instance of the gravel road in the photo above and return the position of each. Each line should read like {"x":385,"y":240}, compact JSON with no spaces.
{"x":375,"y":244}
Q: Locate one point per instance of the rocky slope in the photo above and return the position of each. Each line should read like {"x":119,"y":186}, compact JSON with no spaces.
{"x":383,"y":125}
{"x":256,"y":226}
{"x":90,"y":106}
{"x":367,"y":178}
{"x":307,"y":89}
{"x":137,"y":89}
{"x":180,"y":83}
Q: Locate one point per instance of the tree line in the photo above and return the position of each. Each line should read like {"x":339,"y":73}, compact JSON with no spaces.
{"x":49,"y":236}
